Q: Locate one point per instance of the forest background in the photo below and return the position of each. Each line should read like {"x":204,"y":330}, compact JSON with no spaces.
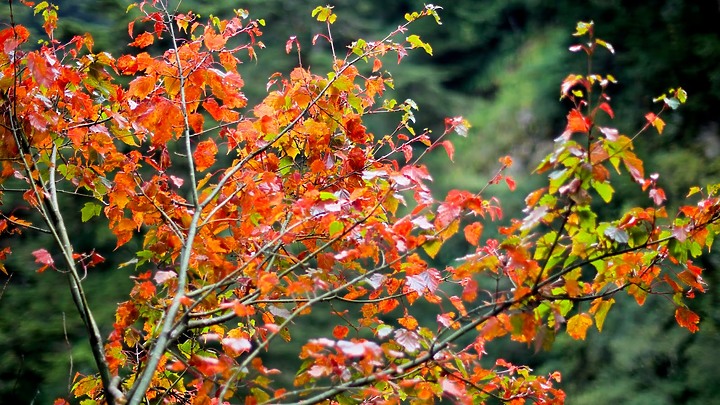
{"x":497,"y":63}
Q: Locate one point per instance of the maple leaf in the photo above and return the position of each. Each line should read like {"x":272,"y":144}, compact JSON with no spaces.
{"x":207,"y":365}
{"x":687,"y":319}
{"x":427,"y":281}
{"x":355,"y":129}
{"x":606,"y":107}
{"x":577,"y":122}
{"x":141,"y":87}
{"x":340,"y":331}
{"x":237,"y":345}
{"x":143,"y":40}
{"x":655,"y":121}
{"x":204,"y":154}
{"x":578,"y":325}
{"x":43,"y":257}
{"x":213,"y":41}
{"x":42,"y":68}
{"x":409,"y":340}
{"x":473,"y":233}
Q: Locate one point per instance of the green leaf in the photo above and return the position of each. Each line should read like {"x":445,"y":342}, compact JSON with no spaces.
{"x":335,"y":228}
{"x":89,"y":210}
{"x":285,"y":165}
{"x":681,"y":95}
{"x":41,"y":7}
{"x":605,"y":190}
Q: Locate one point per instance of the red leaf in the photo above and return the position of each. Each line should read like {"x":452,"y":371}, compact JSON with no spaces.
{"x":449,"y":148}
{"x":577,"y":122}
{"x":289,"y":44}
{"x":204,"y":154}
{"x":606,"y":107}
{"x":687,"y":319}
{"x":510,"y":182}
{"x":355,"y":129}
{"x":41,"y":69}
{"x":340,"y":331}
{"x":43,"y":257}
{"x":356,"y":159}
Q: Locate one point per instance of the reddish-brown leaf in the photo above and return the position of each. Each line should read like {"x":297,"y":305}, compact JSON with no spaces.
{"x":355,"y":129}
{"x":687,"y":319}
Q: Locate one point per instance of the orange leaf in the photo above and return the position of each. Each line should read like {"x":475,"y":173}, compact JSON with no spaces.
{"x":143,"y":40}
{"x":340,"y":331}
{"x":577,"y":122}
{"x":655,"y":121}
{"x":204,"y":154}
{"x":634,"y":166}
{"x":207,"y":365}
{"x":473,"y":233}
{"x":213,"y":41}
{"x":449,"y":148}
{"x":409,"y":322}
{"x":377,"y":64}
{"x":141,"y":87}
{"x":267,"y":282}
{"x":243,"y":310}
{"x":123,"y":230}
{"x":578,"y":325}
{"x":356,"y":159}
{"x":687,"y":319}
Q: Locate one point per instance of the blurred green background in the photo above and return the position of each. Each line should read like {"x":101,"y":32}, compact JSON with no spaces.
{"x":498,"y":63}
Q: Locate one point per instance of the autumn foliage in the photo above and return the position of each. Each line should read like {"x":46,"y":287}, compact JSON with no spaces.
{"x":251,"y":217}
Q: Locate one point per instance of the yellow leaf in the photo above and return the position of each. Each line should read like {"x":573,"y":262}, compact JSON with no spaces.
{"x":578,"y":325}
{"x":432,"y":247}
